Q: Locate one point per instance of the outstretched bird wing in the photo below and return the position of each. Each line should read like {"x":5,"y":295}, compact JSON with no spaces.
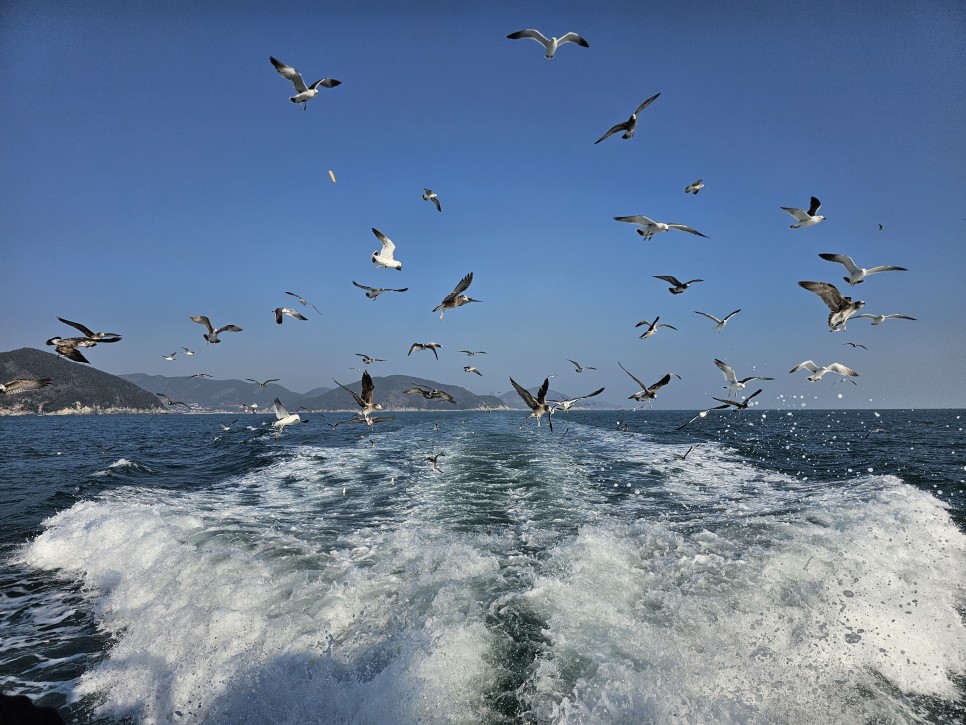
{"x":289,"y":73}
{"x":525,"y":394}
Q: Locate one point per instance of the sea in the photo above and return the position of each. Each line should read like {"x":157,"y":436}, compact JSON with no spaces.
{"x":768,"y":566}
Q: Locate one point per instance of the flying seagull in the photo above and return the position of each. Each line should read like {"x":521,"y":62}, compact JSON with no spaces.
{"x":173,"y":402}
{"x":262,"y":385}
{"x":373,"y":292}
{"x":456,"y":298}
{"x":67,"y":347}
{"x":169,"y":357}
{"x":471,"y":369}
{"x":652,"y":327}
{"x":424,"y":346}
{"x":383,"y":257}
{"x":199,"y":375}
{"x":677,"y":285}
{"x":435,"y":461}
{"x":303,"y":94}
{"x":818,"y":371}
{"x":283,"y":418}
{"x":304,"y":301}
{"x":212,"y":335}
{"x":366,"y":360}
{"x":370,"y":421}
{"x":694,"y":188}
{"x":646,"y":393}
{"x":701,"y":414}
{"x":580,"y":368}
{"x":364,"y":401}
{"x":805,"y":218}
{"x":630,"y":125}
{"x":649,"y":227}
{"x":549,"y":44}
{"x":842,"y":308}
{"x":858,"y":274}
{"x":569,"y":403}
{"x":187,"y":351}
{"x":227,"y":426}
{"x":430,"y":393}
{"x":474,"y":352}
{"x":90,"y":334}
{"x":21,"y":385}
{"x":737,"y":405}
{"x":279,"y":311}
{"x":854,"y":345}
{"x":733,"y":383}
{"x":538,"y":405}
{"x":430,"y":195}
{"x":879,"y":319}
{"x":720,"y":324}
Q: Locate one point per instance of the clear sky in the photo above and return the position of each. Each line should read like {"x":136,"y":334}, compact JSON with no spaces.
{"x":153,"y":168}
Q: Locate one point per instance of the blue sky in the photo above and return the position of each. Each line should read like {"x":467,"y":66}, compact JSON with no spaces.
{"x":154,"y":169}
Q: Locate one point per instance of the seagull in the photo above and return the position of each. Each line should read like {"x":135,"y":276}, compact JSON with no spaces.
{"x":383,"y":257}
{"x":737,"y":405}
{"x":303,"y":94}
{"x":630,"y":125}
{"x":854,"y":345}
{"x":435,"y":462}
{"x":430,"y":394}
{"x":471,"y":353}
{"x":471,"y":369}
{"x":858,"y":274}
{"x":262,"y":385}
{"x":227,"y":426}
{"x":569,"y":403}
{"x":649,"y":227}
{"x":21,"y":385}
{"x":538,"y":405}
{"x":173,"y":402}
{"x":805,"y":218}
{"x":279,"y":311}
{"x":879,"y":319}
{"x":430,"y":195}
{"x":364,"y":400}
{"x":366,"y":360}
{"x":549,"y":44}
{"x":720,"y":323}
{"x":304,"y":301}
{"x":652,"y":327}
{"x":842,"y":308}
{"x":90,"y":334}
{"x":67,"y":347}
{"x":424,"y":346}
{"x":733,"y":383}
{"x":456,"y":298}
{"x":818,"y":372}
{"x":212,"y":335}
{"x":580,"y":368}
{"x":199,"y":375}
{"x":283,"y":418}
{"x":678,"y":286}
{"x":702,"y":414}
{"x":694,"y":188}
{"x":187,"y":351}
{"x":370,"y":421}
{"x":645,"y":393}
{"x":169,"y":357}
{"x":373,"y":292}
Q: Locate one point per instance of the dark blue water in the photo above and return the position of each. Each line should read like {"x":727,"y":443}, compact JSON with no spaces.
{"x":802,"y":567}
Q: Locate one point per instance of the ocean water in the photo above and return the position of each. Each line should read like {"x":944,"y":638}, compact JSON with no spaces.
{"x":793,"y":567}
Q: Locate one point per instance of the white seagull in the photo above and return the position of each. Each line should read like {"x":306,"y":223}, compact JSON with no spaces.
{"x":383,"y":257}
{"x":283,"y":418}
{"x":304,"y":301}
{"x":456,"y":298}
{"x":677,"y":285}
{"x":303,"y":93}
{"x":580,"y":368}
{"x":630,"y":125}
{"x":646,"y":392}
{"x":212,"y":334}
{"x":471,"y":369}
{"x":538,"y":405}
{"x":373,"y":292}
{"x":187,"y":351}
{"x":424,"y":346}
{"x":549,"y":44}
{"x":364,"y":401}
{"x":694,"y":188}
{"x":367,"y":360}
{"x":858,"y":274}
{"x":734,"y":384}
{"x":430,"y":195}
{"x":649,"y":227}
{"x":652,"y":327}
{"x":842,"y":308}
{"x":805,"y":218}
{"x":169,"y":357}
{"x":279,"y":311}
{"x":569,"y":403}
{"x":879,"y":319}
{"x":818,"y":371}
{"x":719,"y":324}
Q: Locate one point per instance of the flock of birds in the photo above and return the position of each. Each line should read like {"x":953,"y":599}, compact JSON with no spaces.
{"x":841,"y":307}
